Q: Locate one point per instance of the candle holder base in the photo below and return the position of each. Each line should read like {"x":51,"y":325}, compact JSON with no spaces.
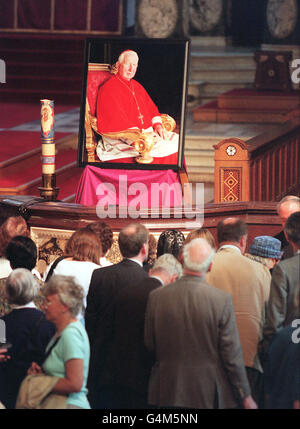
{"x":49,"y":194}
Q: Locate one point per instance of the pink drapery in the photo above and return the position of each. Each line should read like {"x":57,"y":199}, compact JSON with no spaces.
{"x":152,"y":188}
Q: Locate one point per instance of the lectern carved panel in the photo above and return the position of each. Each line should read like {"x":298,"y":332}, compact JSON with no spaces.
{"x":230,"y":184}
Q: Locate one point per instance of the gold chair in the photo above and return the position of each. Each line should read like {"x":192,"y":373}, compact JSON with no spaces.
{"x":97,"y":75}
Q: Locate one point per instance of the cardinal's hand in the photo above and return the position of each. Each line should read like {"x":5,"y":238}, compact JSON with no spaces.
{"x":160,"y":131}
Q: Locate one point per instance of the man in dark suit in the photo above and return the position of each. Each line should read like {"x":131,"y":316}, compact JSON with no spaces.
{"x":190,"y":327}
{"x":129,"y":363}
{"x":282,"y":370}
{"x":284,"y":306}
{"x":106,"y":284}
{"x":287,"y":206}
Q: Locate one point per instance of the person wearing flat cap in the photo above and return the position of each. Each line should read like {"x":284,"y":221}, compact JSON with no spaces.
{"x":266,"y":250}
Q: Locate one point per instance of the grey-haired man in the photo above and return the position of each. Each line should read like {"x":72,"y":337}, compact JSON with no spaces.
{"x":190,"y":327}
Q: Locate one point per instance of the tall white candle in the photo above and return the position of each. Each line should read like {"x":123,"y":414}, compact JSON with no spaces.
{"x":47,"y":135}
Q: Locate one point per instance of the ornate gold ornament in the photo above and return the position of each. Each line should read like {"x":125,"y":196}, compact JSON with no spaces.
{"x":142,"y":141}
{"x":143,"y":145}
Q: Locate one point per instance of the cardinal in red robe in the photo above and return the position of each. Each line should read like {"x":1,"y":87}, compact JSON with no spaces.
{"x":123,"y":103}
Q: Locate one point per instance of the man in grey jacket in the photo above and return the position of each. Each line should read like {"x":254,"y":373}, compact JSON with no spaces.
{"x":190,"y":328}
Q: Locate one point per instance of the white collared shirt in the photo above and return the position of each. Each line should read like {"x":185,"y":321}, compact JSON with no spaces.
{"x":29,"y":305}
{"x":230,"y":246}
{"x":105,"y":262}
{"x":158,"y":278}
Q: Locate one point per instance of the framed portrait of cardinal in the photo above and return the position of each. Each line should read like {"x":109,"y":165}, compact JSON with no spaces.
{"x":133,"y":103}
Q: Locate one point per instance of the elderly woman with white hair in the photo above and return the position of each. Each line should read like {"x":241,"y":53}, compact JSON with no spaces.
{"x":26,"y":329}
{"x":68,"y":352}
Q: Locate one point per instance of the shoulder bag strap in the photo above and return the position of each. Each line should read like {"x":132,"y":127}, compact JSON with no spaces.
{"x":53,"y":266}
{"x":50,"y":350}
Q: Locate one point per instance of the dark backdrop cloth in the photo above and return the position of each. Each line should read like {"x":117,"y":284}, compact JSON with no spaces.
{"x":105,"y":15}
{"x":247,"y":19}
{"x":6,"y":14}
{"x":72,"y":15}
{"x":34,"y":14}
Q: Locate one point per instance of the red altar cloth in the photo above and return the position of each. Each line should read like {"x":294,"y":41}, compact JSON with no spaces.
{"x":125,"y":187}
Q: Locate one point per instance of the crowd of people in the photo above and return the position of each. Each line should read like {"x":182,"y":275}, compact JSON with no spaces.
{"x":184,"y":322}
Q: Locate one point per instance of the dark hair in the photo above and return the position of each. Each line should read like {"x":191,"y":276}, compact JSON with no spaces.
{"x":13,"y":226}
{"x":131,"y":239}
{"x":170,"y":241}
{"x":84,"y":245}
{"x":104,"y":232}
{"x":292,"y":227}
{"x":231,"y":231}
{"x":21,"y":252}
{"x":152,"y":250}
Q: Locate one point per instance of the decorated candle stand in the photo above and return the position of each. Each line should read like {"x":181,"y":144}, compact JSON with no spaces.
{"x":48,"y":191}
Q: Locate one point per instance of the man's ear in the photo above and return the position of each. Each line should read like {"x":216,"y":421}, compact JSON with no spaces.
{"x":143,"y":251}
{"x":286,"y":236}
{"x":173,"y":278}
{"x":295,"y":246}
{"x":243,"y":243}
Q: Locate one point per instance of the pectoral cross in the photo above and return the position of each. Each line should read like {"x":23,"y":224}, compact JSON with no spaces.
{"x":141,"y":118}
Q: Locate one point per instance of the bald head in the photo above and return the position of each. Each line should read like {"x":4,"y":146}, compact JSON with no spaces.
{"x":231,"y":229}
{"x":287,"y":206}
{"x":230,"y":221}
{"x":197,"y":256}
